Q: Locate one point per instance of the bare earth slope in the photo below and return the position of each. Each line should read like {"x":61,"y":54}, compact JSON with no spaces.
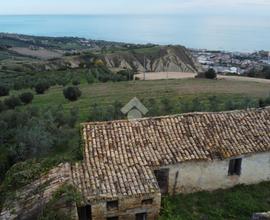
{"x":155,"y":59}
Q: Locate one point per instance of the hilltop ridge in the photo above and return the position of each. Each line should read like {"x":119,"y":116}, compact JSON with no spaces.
{"x":32,"y":53}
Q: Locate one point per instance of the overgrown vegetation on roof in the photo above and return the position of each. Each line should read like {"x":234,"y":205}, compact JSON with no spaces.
{"x":65,"y":196}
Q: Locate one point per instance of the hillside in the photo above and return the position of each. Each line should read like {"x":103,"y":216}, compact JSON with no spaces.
{"x":155,"y":59}
{"x":29,"y":53}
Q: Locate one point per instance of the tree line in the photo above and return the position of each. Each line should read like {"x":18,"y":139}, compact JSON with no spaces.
{"x":42,"y":81}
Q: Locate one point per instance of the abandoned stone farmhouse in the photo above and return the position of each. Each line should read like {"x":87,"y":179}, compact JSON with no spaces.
{"x":129,"y":165}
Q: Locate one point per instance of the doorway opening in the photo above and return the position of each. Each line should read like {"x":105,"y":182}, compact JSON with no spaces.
{"x":85,"y":213}
{"x":162,"y":177}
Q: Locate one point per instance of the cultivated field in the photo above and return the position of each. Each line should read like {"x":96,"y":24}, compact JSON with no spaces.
{"x":105,"y":94}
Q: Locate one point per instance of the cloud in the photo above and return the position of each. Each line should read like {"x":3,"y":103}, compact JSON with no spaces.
{"x":219,"y":3}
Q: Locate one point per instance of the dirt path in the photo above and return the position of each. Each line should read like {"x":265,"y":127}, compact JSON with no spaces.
{"x":164,"y":75}
{"x":184,"y":75}
{"x":247,"y":79}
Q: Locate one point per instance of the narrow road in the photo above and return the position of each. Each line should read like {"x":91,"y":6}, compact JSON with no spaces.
{"x":185,"y":75}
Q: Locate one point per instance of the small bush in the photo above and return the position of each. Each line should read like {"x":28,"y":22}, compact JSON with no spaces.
{"x":12,"y":102}
{"x":90,"y":78}
{"x":2,"y":106}
{"x":62,"y":81}
{"x":266,"y":72}
{"x":126,"y":75}
{"x":76,"y":82}
{"x":41,"y":87}
{"x":26,"y":97}
{"x":211,"y":74}
{"x":22,"y":174}
{"x":264,"y":102}
{"x":251,"y":73}
{"x":66,"y":195}
{"x":72,"y":93}
{"x":19,"y":84}
{"x":4,"y":91}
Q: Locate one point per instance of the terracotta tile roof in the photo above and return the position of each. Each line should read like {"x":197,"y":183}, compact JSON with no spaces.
{"x":120,"y":156}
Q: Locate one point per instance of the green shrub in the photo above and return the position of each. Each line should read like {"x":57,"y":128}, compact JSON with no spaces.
{"x":41,"y":87}
{"x":76,"y":82}
{"x":4,"y":90}
{"x":153,"y":107}
{"x":126,"y":75}
{"x":230,"y":105}
{"x":214,"y":103}
{"x":90,"y":78}
{"x":22,"y":174}
{"x":19,"y":84}
{"x":96,"y":113}
{"x":251,"y":73}
{"x":267,"y":101}
{"x":26,"y":97}
{"x":62,"y":81}
{"x":116,"y":110}
{"x":264,"y":102}
{"x":72,"y":93}
{"x":2,"y":106}
{"x":102,"y":74}
{"x":167,"y":106}
{"x":35,"y":139}
{"x":12,"y":102}
{"x":211,"y":74}
{"x":66,"y":195}
{"x":266,"y":71}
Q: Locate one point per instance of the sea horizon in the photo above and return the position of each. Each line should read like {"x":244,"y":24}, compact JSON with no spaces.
{"x":199,"y":31}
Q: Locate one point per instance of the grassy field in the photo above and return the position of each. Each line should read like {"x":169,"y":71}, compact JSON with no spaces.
{"x":105,"y":94}
{"x":238,"y":203}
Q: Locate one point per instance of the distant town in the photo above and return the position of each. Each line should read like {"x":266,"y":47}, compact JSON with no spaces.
{"x":231,"y":62}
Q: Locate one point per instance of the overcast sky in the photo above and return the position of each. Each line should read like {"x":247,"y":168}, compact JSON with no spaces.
{"x":133,"y":6}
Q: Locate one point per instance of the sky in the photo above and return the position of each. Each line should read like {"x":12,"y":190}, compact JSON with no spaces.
{"x":133,"y":6}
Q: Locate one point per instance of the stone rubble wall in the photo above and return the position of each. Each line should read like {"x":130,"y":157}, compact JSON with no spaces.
{"x":128,"y":208}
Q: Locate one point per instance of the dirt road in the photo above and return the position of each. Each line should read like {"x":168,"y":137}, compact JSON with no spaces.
{"x":184,"y":75}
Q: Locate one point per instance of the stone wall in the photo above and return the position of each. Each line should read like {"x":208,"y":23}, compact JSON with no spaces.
{"x":128,"y":208}
{"x":211,"y":175}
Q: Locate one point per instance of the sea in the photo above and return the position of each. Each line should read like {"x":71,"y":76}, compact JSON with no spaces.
{"x":217,"y":32}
